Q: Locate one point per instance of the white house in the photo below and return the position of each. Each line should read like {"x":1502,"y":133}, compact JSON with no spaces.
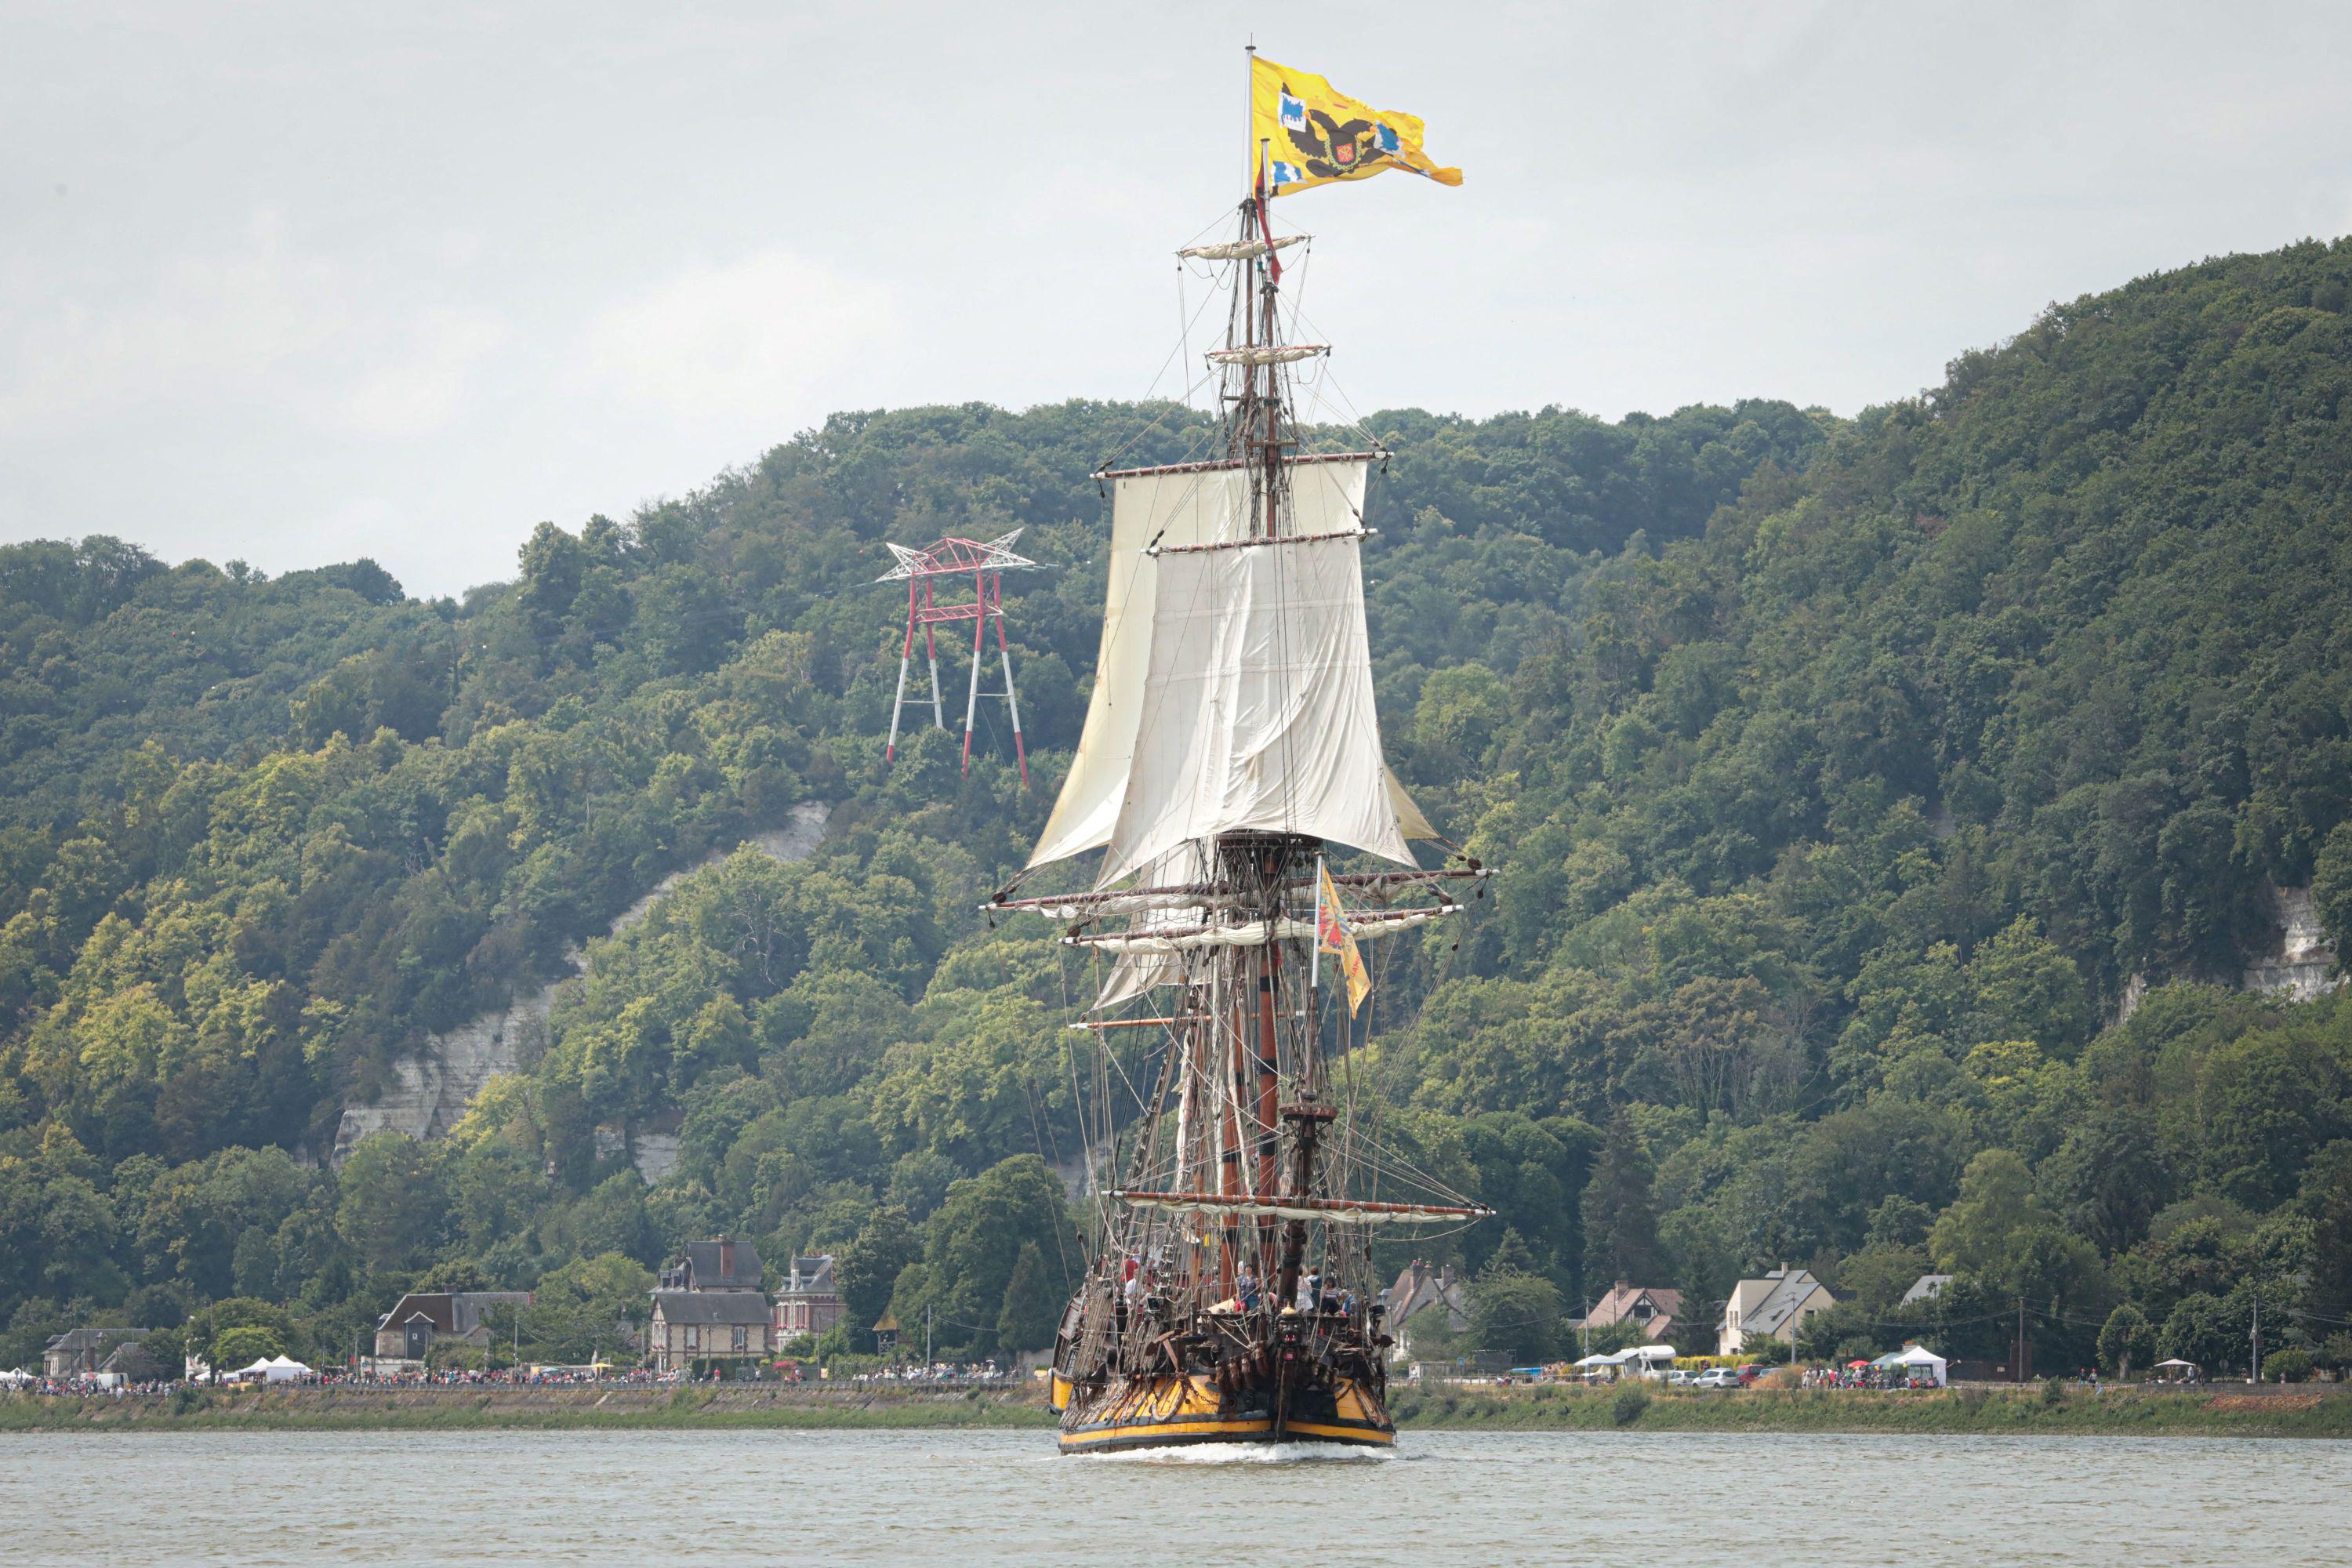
{"x":1770,"y":1308}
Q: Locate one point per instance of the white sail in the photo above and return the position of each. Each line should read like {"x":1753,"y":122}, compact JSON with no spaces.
{"x":1196,"y":503}
{"x":1172,"y":506}
{"x":1258,"y":708}
{"x":1267,"y":353}
{"x":1239,"y":249}
{"x":1255,"y":933}
{"x":1136,"y":972}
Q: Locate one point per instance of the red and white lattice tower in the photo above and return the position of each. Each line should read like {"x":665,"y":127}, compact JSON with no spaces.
{"x":921,"y":570}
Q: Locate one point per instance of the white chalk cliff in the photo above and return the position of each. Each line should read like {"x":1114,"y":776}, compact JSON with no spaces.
{"x":432,"y":1089}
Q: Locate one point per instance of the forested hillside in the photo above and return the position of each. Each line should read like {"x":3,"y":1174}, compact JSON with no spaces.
{"x":1843,"y":778}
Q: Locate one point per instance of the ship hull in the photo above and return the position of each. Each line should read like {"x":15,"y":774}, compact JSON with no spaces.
{"x":1175,"y":1413}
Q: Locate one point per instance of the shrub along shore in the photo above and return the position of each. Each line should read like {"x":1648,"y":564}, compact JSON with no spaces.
{"x":2318,"y":1412}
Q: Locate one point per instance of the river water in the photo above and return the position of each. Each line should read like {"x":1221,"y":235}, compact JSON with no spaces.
{"x":652,"y":1498}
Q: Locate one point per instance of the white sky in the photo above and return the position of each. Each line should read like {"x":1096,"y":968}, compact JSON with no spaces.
{"x":298,"y":282}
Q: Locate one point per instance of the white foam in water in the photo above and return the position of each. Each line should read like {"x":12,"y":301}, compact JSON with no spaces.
{"x":1246,"y":1454}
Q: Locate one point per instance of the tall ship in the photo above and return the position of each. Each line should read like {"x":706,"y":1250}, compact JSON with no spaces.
{"x":1230,"y":756}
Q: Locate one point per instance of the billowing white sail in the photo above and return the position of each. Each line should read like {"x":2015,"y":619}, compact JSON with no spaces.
{"x":1137,"y":972}
{"x":1258,"y":708}
{"x":1174,"y":508}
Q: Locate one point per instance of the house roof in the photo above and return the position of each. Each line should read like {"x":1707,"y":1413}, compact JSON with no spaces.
{"x":701,"y":1270}
{"x":810,"y":1277}
{"x":1623,"y":1298}
{"x":1767,"y":1304}
{"x":710,"y":1306}
{"x":1420,"y":1286}
{"x":77,"y":1340}
{"x":1927,"y":1287}
{"x":449,"y":1311}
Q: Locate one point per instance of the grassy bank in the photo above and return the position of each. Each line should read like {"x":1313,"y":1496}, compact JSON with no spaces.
{"x":2116,"y":1413}
{"x":459,"y":1409}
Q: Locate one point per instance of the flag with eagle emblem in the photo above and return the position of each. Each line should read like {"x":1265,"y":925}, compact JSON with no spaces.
{"x":1305,"y":132}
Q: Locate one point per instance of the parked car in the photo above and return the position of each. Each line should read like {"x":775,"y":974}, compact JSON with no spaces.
{"x":1750,"y":1372}
{"x":1718,"y":1377}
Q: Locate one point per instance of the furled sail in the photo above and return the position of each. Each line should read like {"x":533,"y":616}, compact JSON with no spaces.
{"x":1344,"y":1210}
{"x":1174,"y":508}
{"x":1241,"y":249}
{"x":1259,"y":710}
{"x":1266,"y":353}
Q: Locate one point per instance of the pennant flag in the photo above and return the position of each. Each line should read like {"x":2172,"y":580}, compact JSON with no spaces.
{"x":1305,"y":134}
{"x":1333,"y":935}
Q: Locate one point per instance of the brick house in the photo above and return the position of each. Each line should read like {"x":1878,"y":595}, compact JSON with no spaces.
{"x":809,"y":1303}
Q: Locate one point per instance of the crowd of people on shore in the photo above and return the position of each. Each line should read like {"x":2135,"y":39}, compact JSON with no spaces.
{"x":937,"y":1373}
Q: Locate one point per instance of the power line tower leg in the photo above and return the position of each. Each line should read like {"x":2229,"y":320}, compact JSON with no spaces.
{"x":906,"y":651}
{"x":1012,"y":699}
{"x":939,"y":711}
{"x":972,"y":701}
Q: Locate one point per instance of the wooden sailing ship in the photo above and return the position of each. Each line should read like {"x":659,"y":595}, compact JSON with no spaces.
{"x":1230,"y":744}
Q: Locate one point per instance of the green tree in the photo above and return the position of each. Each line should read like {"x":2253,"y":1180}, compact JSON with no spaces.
{"x":1619,"y":1211}
{"x":1517,"y":1314}
{"x":392,"y":1205}
{"x":1032,"y":1308}
{"x":1976,"y":1236}
{"x":244,"y":1345}
{"x":971,"y":1244}
{"x":2126,"y":1340}
{"x":867,"y":1269}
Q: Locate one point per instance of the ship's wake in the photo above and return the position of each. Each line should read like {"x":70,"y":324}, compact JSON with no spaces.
{"x":1246,"y":1454}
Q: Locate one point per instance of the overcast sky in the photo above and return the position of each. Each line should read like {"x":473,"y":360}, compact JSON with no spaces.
{"x":298,"y":282}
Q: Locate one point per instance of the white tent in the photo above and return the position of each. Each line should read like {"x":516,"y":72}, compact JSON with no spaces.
{"x":15,"y":1379}
{"x":275,"y":1369}
{"x":1598,"y":1358}
{"x":1912,"y":1358}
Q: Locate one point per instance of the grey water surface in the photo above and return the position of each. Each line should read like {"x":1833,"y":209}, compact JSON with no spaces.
{"x":643,"y":1498}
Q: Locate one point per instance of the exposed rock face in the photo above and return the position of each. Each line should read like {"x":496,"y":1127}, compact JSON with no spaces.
{"x":437,"y":1085}
{"x":434,"y":1086}
{"x":2302,"y":967}
{"x":2299,"y":967}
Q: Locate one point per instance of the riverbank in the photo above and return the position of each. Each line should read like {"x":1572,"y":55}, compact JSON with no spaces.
{"x":553,"y":1407}
{"x":2209,"y":1412}
{"x":2219,"y":1412}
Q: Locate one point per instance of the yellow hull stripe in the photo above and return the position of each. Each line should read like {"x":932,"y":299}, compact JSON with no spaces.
{"x":1352,"y":1434}
{"x":1166,"y":1429}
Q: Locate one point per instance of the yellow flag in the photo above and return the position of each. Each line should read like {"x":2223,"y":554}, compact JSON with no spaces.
{"x":1305,"y":134}
{"x":1332,"y":935}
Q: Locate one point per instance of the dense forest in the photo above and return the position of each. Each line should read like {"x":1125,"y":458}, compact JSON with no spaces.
{"x":1848,"y":780}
